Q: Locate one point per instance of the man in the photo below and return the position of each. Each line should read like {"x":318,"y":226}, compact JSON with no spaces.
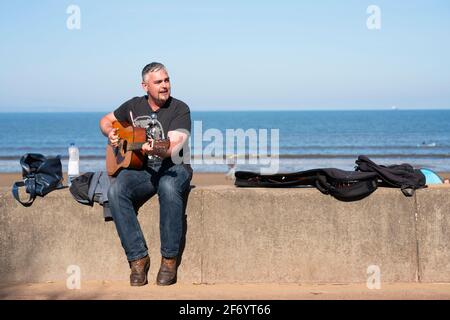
{"x":162,"y":174}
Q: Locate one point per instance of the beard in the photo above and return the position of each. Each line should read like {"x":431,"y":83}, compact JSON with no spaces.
{"x":161,"y":98}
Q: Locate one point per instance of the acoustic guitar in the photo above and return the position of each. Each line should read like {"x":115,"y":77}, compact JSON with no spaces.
{"x":128,"y":153}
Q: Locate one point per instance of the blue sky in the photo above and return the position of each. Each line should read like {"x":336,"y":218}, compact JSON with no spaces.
{"x":226,"y":55}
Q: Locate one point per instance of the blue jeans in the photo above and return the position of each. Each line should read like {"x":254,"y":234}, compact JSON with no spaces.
{"x":132,"y":188}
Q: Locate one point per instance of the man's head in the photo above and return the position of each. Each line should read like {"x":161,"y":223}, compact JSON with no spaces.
{"x":156,"y":82}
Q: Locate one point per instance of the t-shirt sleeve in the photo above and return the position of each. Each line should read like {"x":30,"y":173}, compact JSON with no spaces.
{"x":182,"y":120}
{"x":122,"y":113}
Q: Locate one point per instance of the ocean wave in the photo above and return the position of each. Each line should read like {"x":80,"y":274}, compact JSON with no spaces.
{"x":376,"y":147}
{"x":381,"y":155}
{"x":5,"y":147}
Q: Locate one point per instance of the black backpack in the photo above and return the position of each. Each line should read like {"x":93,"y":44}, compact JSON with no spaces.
{"x":40,"y":176}
{"x":402,"y":176}
{"x":343,"y":185}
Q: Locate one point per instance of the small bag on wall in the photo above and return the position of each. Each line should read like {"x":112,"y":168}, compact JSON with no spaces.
{"x":41,"y":175}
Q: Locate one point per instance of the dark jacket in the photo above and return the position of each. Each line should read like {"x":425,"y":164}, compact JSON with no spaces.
{"x":93,"y":187}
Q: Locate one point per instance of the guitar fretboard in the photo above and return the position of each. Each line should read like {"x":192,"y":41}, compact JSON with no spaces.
{"x":134,"y":146}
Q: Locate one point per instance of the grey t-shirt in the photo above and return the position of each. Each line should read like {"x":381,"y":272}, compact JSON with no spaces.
{"x":173,"y":115}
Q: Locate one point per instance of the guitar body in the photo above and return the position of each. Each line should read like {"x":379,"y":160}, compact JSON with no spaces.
{"x":128,"y":153}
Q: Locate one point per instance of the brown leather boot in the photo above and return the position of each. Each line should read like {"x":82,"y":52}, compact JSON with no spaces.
{"x":139,"y":269}
{"x":167,"y":273}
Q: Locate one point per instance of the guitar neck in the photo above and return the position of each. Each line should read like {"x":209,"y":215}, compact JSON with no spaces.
{"x":134,"y":146}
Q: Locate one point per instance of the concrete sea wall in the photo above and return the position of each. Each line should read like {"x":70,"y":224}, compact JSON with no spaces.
{"x":241,"y":235}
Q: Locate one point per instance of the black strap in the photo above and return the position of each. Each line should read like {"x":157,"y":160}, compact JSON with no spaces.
{"x":31,"y":187}
{"x":323,"y":185}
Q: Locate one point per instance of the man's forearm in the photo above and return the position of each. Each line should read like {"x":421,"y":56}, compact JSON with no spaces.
{"x":105,"y":127}
{"x":177,"y":142}
{"x":175,"y":148}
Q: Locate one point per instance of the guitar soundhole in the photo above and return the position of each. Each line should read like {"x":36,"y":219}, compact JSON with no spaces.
{"x":120,"y":151}
{"x":123,"y":147}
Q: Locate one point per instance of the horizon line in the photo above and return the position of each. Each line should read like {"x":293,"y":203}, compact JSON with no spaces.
{"x":249,"y":110}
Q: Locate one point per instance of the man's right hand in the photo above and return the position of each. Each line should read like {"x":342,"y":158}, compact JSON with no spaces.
{"x":113,"y":137}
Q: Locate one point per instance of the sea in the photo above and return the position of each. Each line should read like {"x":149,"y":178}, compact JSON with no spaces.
{"x":297,"y":140}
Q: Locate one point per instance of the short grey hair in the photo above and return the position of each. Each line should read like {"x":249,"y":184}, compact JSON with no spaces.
{"x":152,"y":67}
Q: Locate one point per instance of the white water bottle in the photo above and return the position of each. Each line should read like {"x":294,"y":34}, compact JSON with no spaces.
{"x":73,"y":169}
